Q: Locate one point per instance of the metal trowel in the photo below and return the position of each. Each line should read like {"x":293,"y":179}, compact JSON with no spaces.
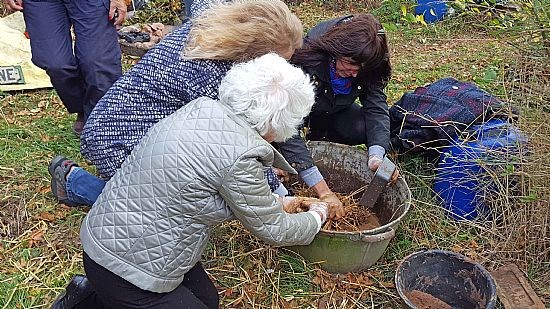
{"x":379,"y":181}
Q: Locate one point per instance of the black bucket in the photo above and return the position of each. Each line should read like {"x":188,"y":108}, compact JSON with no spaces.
{"x":450,"y":277}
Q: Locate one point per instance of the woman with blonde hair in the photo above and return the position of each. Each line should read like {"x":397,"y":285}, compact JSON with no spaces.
{"x":187,"y":64}
{"x":243,"y":30}
{"x":193,"y":170}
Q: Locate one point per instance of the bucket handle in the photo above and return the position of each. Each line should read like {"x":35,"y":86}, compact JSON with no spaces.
{"x":389,"y":234}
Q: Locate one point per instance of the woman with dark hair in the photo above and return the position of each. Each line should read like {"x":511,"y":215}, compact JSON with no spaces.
{"x":347,"y":59}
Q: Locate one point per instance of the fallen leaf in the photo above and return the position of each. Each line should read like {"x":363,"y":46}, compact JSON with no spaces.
{"x":46,"y":216}
{"x":317,"y":280}
{"x":457,"y":248}
{"x":21,"y":187}
{"x":322,"y":304}
{"x":228,"y":292}
{"x":289,"y":304}
{"x":36,"y":236}
{"x":60,"y":214}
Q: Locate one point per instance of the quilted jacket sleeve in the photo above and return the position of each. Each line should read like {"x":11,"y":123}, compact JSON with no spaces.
{"x":246,"y":192}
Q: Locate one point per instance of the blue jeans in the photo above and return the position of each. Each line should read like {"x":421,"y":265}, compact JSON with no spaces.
{"x":82,"y":187}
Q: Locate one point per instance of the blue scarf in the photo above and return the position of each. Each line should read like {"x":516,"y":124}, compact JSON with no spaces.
{"x":340,"y":85}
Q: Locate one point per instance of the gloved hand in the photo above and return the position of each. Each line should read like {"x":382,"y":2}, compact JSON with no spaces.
{"x":335,"y":206}
{"x":320,"y":208}
{"x":374,"y":163}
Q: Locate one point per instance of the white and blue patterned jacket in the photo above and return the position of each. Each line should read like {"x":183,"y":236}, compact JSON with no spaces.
{"x":158,"y":85}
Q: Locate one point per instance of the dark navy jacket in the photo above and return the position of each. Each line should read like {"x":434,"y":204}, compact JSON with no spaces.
{"x":372,"y":99}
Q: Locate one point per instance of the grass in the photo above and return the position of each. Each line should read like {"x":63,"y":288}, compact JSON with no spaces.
{"x":39,"y":244}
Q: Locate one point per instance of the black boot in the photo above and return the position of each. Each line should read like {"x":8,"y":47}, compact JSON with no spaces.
{"x":78,"y":289}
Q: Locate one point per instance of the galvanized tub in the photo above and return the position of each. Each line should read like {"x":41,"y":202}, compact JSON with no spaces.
{"x":345,"y":170}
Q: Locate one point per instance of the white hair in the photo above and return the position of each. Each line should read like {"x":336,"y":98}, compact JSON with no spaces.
{"x":272,"y":95}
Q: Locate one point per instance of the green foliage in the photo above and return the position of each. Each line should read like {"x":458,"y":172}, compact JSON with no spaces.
{"x":394,"y":14}
{"x":490,"y":75}
{"x":9,"y":292}
{"x":159,"y":11}
{"x":528,"y":20}
{"x":295,"y":277}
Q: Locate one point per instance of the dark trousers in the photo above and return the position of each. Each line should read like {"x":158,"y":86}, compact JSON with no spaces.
{"x":111,"y":291}
{"x":345,"y":127}
{"x":82,"y":75}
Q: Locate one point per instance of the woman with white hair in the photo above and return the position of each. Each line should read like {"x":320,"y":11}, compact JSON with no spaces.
{"x":195,"y":169}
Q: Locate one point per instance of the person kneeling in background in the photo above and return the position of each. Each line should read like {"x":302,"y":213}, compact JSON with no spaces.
{"x":195,"y":169}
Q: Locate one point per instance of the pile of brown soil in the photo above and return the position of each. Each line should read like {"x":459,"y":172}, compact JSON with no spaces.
{"x":426,"y":301}
{"x":357,"y":218}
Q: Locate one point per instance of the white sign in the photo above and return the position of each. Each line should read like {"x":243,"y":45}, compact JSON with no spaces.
{"x":11,"y":75}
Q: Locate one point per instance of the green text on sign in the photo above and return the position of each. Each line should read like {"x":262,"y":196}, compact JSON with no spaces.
{"x":11,"y":75}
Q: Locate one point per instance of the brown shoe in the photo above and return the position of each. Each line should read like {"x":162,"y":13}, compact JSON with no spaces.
{"x":59,"y":168}
{"x":78,"y":125}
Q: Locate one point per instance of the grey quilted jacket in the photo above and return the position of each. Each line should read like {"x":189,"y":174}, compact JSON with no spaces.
{"x":197,"y":168}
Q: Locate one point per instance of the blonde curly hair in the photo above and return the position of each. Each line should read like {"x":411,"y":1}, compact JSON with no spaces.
{"x":243,"y":30}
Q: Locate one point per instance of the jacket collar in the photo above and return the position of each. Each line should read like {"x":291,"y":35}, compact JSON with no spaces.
{"x":321,"y":72}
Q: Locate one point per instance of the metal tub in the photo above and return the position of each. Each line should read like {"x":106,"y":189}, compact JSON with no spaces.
{"x":345,"y":170}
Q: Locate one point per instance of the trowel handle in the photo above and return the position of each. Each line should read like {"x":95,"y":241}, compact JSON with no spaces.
{"x":379,"y":181}
{"x":389,"y":234}
{"x":385,"y":170}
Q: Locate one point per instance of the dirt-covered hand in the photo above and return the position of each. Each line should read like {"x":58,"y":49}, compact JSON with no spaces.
{"x":295,"y":204}
{"x":335,"y":206}
{"x":308,"y":201}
